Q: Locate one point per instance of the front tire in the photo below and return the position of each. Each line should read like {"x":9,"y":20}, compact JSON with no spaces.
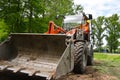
{"x":80,"y":59}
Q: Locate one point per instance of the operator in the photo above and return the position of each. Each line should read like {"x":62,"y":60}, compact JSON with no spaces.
{"x":85,"y":28}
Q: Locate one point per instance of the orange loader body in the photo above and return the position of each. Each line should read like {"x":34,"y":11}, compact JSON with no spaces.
{"x":54,"y":29}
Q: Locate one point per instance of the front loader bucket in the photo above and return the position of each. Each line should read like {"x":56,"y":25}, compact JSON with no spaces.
{"x":36,"y":54}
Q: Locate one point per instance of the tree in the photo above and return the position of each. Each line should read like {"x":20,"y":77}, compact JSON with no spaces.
{"x":77,"y":9}
{"x":11,"y":13}
{"x":113,"y":33}
{"x":32,"y":11}
{"x":34,"y":15}
{"x":22,"y":15}
{"x":58,"y":7}
{"x":98,"y":31}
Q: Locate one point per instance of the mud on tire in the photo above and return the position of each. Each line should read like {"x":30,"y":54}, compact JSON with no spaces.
{"x":80,"y":59}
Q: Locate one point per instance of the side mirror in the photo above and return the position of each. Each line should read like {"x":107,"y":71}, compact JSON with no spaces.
{"x":60,"y":16}
{"x":90,"y":16}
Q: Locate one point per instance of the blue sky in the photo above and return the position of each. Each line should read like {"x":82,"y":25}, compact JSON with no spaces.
{"x":100,"y":7}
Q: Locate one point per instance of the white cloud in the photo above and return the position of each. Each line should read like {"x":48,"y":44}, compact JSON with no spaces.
{"x":100,"y":7}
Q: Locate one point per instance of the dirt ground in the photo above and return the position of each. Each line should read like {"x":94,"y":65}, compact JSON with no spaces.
{"x":90,"y":74}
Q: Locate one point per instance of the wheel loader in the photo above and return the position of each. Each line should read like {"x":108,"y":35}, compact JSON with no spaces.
{"x":52,"y":54}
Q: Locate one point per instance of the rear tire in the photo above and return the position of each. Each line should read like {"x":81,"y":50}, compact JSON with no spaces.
{"x":90,"y":60}
{"x":90,"y":57}
{"x":80,"y":59}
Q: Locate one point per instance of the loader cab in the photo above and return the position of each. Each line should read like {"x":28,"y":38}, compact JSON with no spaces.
{"x":81,"y":22}
{"x":72,"y":21}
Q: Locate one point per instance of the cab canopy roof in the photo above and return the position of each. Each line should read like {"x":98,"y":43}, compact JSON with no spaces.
{"x":73,"y":19}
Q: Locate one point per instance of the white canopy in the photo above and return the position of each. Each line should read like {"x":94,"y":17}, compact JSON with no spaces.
{"x":73,"y":19}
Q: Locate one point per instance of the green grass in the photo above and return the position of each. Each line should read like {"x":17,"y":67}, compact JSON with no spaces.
{"x":108,"y":64}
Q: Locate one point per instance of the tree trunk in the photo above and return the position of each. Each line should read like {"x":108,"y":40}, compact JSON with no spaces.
{"x":110,"y":49}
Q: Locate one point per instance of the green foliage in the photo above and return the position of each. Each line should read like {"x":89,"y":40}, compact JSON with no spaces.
{"x":34,"y":15}
{"x":31,"y":12}
{"x":98,"y":31}
{"x":110,"y":30}
{"x":3,"y":31}
{"x":11,"y":12}
{"x":77,"y":9}
{"x":113,"y":32}
{"x":22,"y":15}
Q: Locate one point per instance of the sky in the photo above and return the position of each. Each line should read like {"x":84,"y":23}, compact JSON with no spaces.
{"x":100,"y":7}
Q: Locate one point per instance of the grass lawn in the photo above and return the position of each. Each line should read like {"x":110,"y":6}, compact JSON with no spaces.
{"x":108,"y":64}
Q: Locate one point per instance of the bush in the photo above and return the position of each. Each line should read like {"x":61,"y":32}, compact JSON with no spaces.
{"x":3,"y":31}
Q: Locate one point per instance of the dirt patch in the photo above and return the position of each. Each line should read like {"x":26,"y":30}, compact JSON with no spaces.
{"x":90,"y":74}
